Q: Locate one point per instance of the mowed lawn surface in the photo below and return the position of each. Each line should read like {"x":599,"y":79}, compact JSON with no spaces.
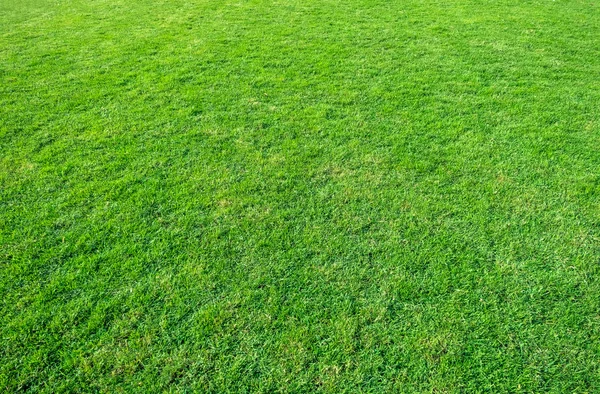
{"x":300,"y":196}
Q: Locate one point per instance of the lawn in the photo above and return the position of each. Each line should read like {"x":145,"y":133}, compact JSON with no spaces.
{"x":260,"y":196}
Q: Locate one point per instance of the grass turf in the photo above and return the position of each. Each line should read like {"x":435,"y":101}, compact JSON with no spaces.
{"x":298,"y":196}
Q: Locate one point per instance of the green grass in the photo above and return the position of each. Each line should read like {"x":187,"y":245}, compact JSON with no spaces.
{"x":300,"y":196}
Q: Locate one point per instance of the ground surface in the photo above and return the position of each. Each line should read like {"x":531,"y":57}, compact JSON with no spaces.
{"x":300,"y":195}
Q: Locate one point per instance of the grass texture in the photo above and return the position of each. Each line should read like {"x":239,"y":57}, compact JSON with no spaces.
{"x":260,"y":196}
